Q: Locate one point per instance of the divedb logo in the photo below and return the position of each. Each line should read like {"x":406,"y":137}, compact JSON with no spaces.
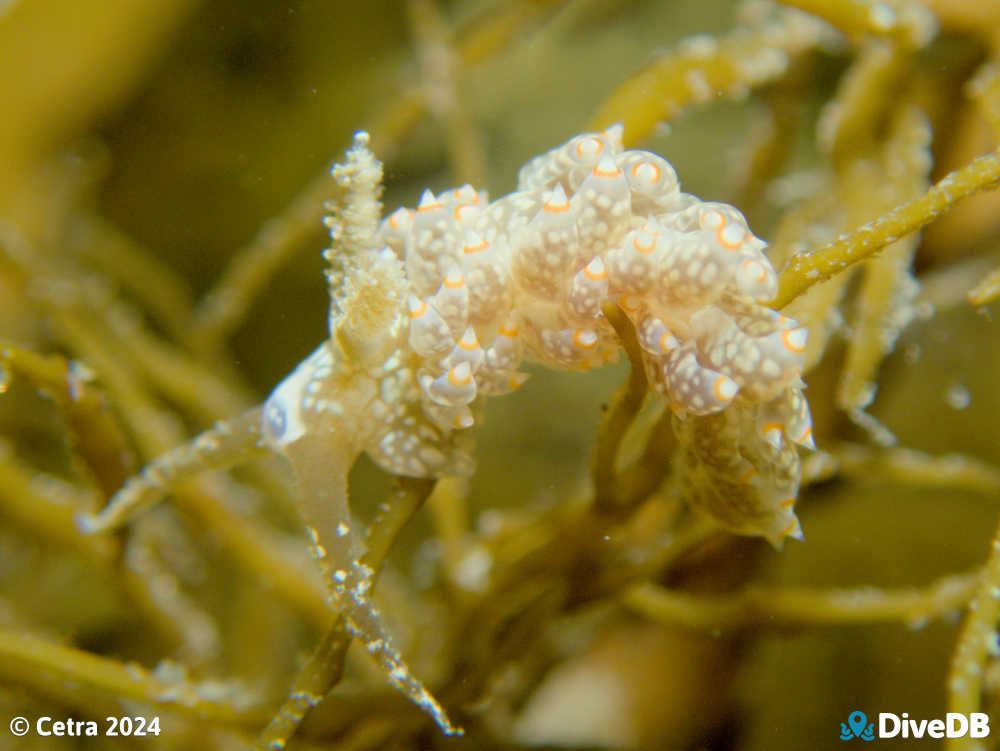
{"x":954,"y":725}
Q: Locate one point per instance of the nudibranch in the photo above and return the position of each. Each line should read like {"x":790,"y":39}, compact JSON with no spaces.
{"x":433,"y":309}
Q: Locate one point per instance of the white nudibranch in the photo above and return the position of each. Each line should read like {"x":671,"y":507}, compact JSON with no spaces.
{"x":435,"y":308}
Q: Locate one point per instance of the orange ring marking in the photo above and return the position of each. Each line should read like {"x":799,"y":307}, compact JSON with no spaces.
{"x":454,"y":380}
{"x":714,"y":215}
{"x":789,"y":344}
{"x":721,"y":237}
{"x":394,"y":222}
{"x":763,"y":272}
{"x":470,"y":249}
{"x":578,"y":339}
{"x":644,"y":249}
{"x":454,"y":284}
{"x":656,"y":170}
{"x":630,"y":303}
{"x":595,"y":277}
{"x":717,"y":388}
{"x":591,"y":139}
{"x":467,"y":193}
{"x":598,"y":172}
{"x":770,"y":427}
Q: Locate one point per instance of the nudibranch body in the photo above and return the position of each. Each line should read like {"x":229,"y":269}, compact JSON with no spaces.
{"x":434,"y":309}
{"x":469,"y":289}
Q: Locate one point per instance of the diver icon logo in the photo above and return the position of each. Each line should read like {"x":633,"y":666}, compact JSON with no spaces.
{"x":857,"y":726}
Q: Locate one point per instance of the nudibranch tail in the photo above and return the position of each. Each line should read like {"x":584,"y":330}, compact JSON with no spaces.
{"x":321,"y":476}
{"x":737,"y":474}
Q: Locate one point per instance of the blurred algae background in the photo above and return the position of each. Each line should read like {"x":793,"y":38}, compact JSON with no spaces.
{"x":163,"y":167}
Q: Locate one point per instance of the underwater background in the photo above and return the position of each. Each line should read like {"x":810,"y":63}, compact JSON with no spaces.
{"x":156,"y":157}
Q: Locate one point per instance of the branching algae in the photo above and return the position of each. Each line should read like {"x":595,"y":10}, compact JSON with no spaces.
{"x":433,"y":310}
